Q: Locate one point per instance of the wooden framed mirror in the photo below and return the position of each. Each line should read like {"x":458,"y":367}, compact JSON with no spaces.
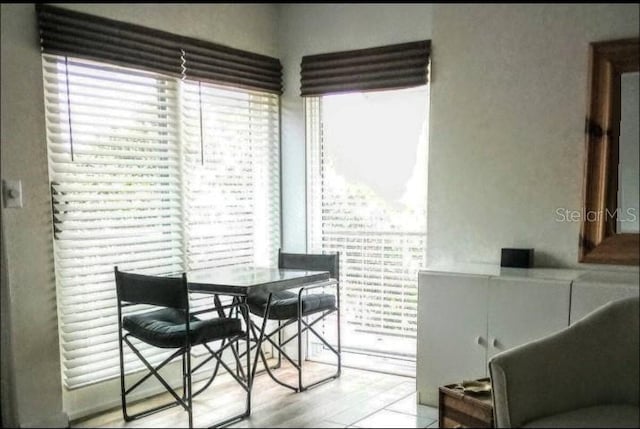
{"x":609,"y":233}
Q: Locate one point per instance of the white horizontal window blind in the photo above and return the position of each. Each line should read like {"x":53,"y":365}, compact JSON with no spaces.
{"x":367,"y":200}
{"x":232,"y":197}
{"x":157,"y":176}
{"x":114,"y":166}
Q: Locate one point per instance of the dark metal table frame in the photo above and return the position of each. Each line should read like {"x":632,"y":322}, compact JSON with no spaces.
{"x":238,"y":283}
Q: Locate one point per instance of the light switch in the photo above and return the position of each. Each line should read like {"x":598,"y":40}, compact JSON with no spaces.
{"x":12,"y":193}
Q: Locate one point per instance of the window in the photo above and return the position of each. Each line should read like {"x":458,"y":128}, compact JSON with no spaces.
{"x":156,"y":175}
{"x":232,"y":180}
{"x":367,"y":168}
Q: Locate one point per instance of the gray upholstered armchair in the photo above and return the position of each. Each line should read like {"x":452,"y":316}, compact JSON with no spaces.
{"x":583,"y":376}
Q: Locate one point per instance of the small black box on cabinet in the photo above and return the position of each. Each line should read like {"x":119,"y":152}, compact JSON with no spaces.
{"x":517,"y":258}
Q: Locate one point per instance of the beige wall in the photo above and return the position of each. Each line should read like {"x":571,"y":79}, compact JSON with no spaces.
{"x":508,"y":102}
{"x":507,"y":118}
{"x":26,"y":232}
{"x":7,"y":391}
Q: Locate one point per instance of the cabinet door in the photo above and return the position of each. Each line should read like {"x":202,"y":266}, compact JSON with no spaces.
{"x":452,"y":321}
{"x":523,"y":310}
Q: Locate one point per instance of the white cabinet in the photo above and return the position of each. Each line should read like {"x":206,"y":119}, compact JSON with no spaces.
{"x":451,"y":332}
{"x":468,"y":313}
{"x":593,"y":289}
{"x":464,"y":318}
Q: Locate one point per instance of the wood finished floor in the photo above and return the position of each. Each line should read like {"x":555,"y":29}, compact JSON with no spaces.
{"x":357,"y":399}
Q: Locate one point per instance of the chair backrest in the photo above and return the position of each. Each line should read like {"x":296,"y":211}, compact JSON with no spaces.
{"x":311,"y":262}
{"x":153,"y":290}
{"x":595,"y":361}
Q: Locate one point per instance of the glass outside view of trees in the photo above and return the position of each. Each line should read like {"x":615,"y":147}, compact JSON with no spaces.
{"x":367,"y":172}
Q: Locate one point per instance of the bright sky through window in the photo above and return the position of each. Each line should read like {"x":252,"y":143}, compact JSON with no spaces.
{"x":377,"y":142}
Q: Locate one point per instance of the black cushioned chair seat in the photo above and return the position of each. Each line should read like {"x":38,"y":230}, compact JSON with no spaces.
{"x":166,"y":328}
{"x":284,"y":304}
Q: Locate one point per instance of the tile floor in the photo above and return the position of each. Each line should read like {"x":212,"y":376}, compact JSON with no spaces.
{"x":404,"y":413}
{"x":359,"y":399}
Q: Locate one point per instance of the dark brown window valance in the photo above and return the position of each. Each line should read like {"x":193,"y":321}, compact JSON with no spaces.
{"x":387,"y":67}
{"x":71,"y":33}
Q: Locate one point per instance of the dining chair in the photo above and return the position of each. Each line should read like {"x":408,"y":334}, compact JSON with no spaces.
{"x":289,"y":308}
{"x":170,"y":324}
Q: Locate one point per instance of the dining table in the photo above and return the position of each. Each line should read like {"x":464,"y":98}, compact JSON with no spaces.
{"x":240,"y":281}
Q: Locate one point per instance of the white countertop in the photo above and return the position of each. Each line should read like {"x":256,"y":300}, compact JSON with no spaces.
{"x":609,"y":277}
{"x":493,"y":270}
{"x":579,"y":275}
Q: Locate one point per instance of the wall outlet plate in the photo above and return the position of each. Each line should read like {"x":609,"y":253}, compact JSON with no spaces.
{"x":12,"y":193}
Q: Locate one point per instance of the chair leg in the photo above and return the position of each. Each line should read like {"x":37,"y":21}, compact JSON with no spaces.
{"x":123,"y":396}
{"x":338,"y":329}
{"x":245,"y":384}
{"x":299,"y":320}
{"x":300,"y":388}
{"x":184,"y":378}
{"x":298,"y":362}
{"x":123,"y":391}
{"x":249,"y":380}
{"x":279,"y":344}
{"x":260,"y":354}
{"x":297,"y":336}
{"x":337,"y":373}
{"x":189,"y":387}
{"x":309,"y":329}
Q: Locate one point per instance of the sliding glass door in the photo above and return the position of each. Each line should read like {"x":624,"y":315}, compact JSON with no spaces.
{"x":155,"y":175}
{"x":367,"y":183}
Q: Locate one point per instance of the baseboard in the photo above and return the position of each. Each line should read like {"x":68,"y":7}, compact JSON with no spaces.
{"x":428,"y":398}
{"x":60,"y":420}
{"x":82,"y":410}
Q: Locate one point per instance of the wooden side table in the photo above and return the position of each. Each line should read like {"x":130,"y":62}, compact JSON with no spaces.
{"x":458,"y":409}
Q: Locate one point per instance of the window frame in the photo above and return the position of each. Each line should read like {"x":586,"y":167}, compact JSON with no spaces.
{"x":313,"y":132}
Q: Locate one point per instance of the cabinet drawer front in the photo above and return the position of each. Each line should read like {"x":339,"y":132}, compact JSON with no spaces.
{"x":451,"y":423}
{"x":466,"y":413}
